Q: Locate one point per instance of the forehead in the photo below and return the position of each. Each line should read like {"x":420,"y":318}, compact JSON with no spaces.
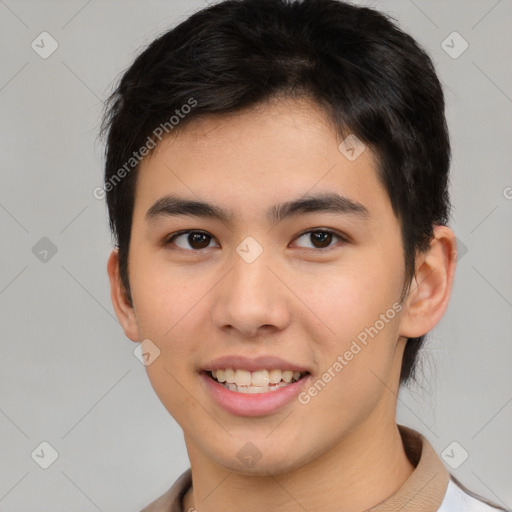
{"x":257,"y":158}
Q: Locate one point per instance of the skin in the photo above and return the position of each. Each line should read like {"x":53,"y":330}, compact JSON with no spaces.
{"x":296,"y":301}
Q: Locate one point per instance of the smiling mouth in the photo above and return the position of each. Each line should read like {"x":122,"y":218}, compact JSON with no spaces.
{"x":261,"y":381}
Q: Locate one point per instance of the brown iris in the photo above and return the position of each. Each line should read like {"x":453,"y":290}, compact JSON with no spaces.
{"x":199,"y":240}
{"x":321,"y":239}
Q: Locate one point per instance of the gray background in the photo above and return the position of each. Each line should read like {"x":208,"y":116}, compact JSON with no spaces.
{"x":68,"y":374}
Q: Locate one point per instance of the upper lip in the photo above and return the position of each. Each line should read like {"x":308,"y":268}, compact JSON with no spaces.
{"x":253,"y":364}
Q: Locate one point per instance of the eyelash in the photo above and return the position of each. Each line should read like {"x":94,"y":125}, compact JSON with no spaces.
{"x":168,"y":241}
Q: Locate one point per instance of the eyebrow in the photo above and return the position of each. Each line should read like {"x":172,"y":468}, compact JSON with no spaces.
{"x":171,"y":206}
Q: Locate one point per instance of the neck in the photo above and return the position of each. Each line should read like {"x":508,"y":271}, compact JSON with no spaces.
{"x":348,"y":477}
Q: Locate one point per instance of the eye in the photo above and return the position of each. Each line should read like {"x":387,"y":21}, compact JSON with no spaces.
{"x":190,"y":240}
{"x":319,"y":238}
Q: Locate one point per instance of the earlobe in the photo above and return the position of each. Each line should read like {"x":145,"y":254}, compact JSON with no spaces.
{"x":431,"y":286}
{"x":122,"y":306}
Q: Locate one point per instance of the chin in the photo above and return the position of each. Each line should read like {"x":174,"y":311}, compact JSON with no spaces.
{"x":264,"y":468}
{"x":250,"y":461}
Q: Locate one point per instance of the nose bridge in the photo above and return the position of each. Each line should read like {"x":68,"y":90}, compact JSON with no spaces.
{"x":250,"y":296}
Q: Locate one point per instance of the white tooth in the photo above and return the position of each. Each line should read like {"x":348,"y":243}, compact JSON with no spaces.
{"x":274,"y":376}
{"x":251,"y":390}
{"x":229,"y":375}
{"x":259,"y":378}
{"x":243,"y":378}
{"x":214,"y":373}
{"x":254,"y":389}
{"x":261,"y":381}
{"x":287,"y":375}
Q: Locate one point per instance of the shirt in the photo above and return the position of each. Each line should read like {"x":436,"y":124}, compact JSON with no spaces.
{"x":430,"y":488}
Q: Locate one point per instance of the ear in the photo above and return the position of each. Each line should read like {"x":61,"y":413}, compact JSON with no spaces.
{"x":124,"y":310}
{"x":431,"y":286}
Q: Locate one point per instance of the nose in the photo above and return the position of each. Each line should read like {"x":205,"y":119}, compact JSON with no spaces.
{"x":251,"y":300}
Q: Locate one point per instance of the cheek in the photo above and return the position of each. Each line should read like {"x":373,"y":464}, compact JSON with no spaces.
{"x":164,"y":298}
{"x":166,"y":310}
{"x":168,"y":381}
{"x":355,"y":372}
{"x":359,"y":305}
{"x":348,"y":299}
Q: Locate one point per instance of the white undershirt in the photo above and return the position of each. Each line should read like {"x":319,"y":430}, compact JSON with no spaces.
{"x":456,"y":500}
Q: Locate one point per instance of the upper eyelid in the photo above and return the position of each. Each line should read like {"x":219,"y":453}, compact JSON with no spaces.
{"x":343,"y":238}
{"x":186,"y":231}
{"x":172,"y":236}
{"x":335,"y":232}
{"x":324,"y":230}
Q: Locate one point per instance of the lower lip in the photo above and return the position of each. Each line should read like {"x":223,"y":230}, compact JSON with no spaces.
{"x":257,"y":404}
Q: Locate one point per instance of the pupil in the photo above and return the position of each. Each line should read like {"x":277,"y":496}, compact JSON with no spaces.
{"x":321,"y":238}
{"x":198,"y":240}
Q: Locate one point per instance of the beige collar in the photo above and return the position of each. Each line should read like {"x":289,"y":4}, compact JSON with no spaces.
{"x":423,"y":491}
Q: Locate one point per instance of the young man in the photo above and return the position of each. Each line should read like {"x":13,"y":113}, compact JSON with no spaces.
{"x":277,"y":184}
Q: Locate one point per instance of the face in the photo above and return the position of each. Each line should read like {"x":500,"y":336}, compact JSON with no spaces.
{"x":295,"y":264}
